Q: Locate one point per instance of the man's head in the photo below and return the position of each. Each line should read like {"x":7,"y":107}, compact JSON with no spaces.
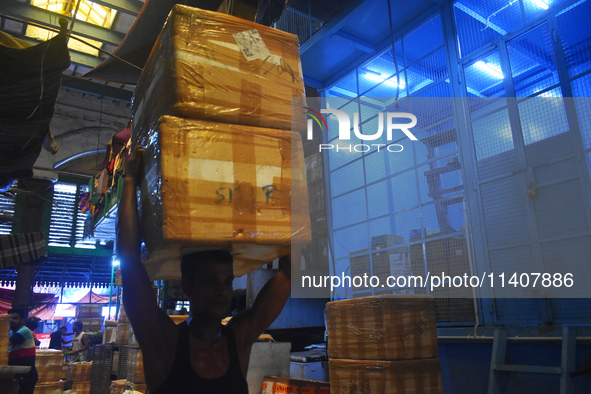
{"x":207,"y":279}
{"x":77,"y":327}
{"x":62,"y":330}
{"x":17,"y":318}
{"x":32,"y":323}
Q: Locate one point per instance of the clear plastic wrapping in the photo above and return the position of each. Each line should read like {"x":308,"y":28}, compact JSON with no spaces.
{"x":209,"y":65}
{"x":386,"y":327}
{"x":381,"y":377}
{"x":216,"y":185}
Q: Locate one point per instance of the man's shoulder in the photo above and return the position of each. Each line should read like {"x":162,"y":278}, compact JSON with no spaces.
{"x":25,"y":332}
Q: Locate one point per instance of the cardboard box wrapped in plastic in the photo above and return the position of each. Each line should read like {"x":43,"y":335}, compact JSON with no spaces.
{"x":381,"y":377}
{"x":135,"y":366}
{"x":49,"y":364}
{"x":277,"y":385}
{"x":221,"y":186}
{"x":49,"y":387}
{"x":4,"y":338}
{"x":80,"y":371}
{"x":389,"y":327}
{"x":80,"y":388}
{"x":209,"y":65}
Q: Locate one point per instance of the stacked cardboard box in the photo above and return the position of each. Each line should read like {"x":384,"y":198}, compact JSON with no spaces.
{"x":118,"y":386}
{"x":49,"y":368}
{"x":49,"y":388}
{"x":135,"y":367}
{"x":222,"y":172}
{"x":110,"y":335}
{"x":91,"y":316}
{"x":118,"y":277}
{"x":207,"y":65}
{"x":276,"y":385}
{"x":4,"y":338}
{"x":123,"y":333}
{"x":79,"y":374}
{"x":49,"y":364}
{"x":139,"y":387}
{"x":395,"y":337}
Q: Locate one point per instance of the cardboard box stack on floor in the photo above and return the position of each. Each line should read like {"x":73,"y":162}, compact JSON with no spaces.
{"x":4,"y":338}
{"x":79,"y":374}
{"x":49,"y":387}
{"x":91,"y":316}
{"x":213,"y":111}
{"x":383,"y":344}
{"x":135,"y":367}
{"x":277,"y":385}
{"x":49,"y":368}
{"x":123,"y":327}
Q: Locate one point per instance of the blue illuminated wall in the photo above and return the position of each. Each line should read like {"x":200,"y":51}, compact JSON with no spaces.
{"x":494,"y":182}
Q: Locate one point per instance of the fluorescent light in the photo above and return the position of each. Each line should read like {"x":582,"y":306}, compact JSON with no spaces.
{"x":491,"y":69}
{"x":116,"y":263}
{"x":541,"y":4}
{"x":380,"y":78}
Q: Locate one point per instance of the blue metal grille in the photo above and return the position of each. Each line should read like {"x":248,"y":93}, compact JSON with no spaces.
{"x":575,"y":35}
{"x":481,"y":22}
{"x":532,"y":62}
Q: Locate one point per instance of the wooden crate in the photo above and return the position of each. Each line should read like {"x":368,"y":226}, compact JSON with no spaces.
{"x":390,"y":327}
{"x":385,"y":377}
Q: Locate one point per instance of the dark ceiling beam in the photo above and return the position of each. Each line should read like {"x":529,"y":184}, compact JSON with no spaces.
{"x":84,"y":59}
{"x":98,"y":89}
{"x":131,"y":7}
{"x":313,"y":83}
{"x":331,"y":27}
{"x":352,"y":66}
{"x":50,"y":19}
{"x":360,"y":44}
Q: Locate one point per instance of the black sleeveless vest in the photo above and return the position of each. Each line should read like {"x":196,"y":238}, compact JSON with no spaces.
{"x":183,"y":379}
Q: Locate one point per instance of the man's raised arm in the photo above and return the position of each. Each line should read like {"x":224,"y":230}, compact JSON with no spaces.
{"x":268,"y":304}
{"x":138,"y":297}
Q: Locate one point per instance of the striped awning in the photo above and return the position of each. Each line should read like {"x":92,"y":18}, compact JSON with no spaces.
{"x":21,"y":248}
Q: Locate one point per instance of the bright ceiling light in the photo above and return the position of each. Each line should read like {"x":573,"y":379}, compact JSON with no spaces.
{"x":380,"y":78}
{"x":87,"y":11}
{"x":490,"y":69}
{"x":541,"y":4}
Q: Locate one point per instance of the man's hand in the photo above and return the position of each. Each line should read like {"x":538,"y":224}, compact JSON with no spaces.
{"x":135,"y":166}
{"x":285,"y":265}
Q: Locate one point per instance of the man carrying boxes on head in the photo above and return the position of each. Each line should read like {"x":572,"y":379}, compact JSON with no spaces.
{"x":200,"y":355}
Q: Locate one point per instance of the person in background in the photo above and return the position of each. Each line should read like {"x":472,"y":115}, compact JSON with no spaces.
{"x":79,"y":342}
{"x":57,"y":341}
{"x":22,"y":350}
{"x":200,"y":355}
{"x":32,"y":323}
